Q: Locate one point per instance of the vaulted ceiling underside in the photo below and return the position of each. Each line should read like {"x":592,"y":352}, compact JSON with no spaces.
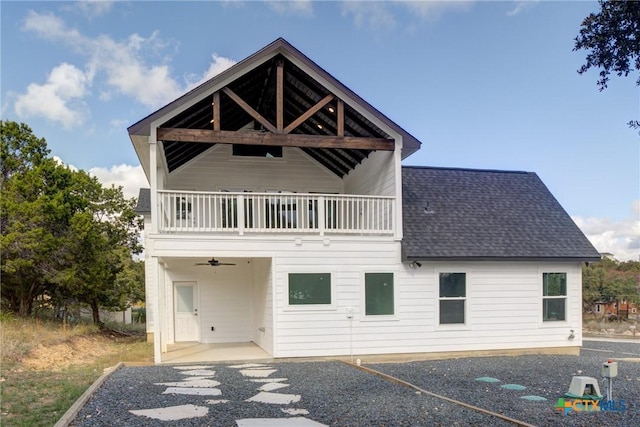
{"x":258,"y":88}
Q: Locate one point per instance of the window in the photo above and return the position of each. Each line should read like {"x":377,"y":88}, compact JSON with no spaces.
{"x":554,"y":296}
{"x":256,"y":151}
{"x":183,"y":208}
{"x":598,"y":308}
{"x":453,"y":294}
{"x":309,"y":288}
{"x":378,"y":294}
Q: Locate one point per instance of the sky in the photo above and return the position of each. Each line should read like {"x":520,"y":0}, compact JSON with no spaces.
{"x":482,"y":84}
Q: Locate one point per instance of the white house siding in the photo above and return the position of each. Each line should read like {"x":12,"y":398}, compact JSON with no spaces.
{"x":223,"y":298}
{"x":375,"y":176}
{"x":504,"y":299}
{"x":504,"y":307}
{"x":262,"y":304}
{"x":218,"y":170}
{"x":308,"y":331}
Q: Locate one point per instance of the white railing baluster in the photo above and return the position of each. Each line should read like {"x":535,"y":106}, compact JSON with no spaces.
{"x":244,"y":213}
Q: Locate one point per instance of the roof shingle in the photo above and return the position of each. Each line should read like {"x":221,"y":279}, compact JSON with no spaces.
{"x":470,"y":214}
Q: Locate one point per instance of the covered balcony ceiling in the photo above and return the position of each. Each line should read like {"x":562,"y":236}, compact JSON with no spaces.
{"x":258,"y":88}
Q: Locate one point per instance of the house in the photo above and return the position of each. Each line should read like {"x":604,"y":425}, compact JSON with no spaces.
{"x":279,"y":213}
{"x":615,"y":310}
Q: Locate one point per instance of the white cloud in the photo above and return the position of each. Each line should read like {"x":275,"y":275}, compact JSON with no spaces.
{"x":117,"y":67}
{"x":130,"y":178}
{"x":369,"y":14}
{"x":432,"y":10}
{"x":520,"y":6}
{"x":621,"y":238}
{"x":380,"y":15}
{"x":59,"y":161}
{"x":296,"y":7}
{"x":123,"y":63}
{"x":59,"y":99}
{"x":218,"y":65}
{"x":93,"y":8}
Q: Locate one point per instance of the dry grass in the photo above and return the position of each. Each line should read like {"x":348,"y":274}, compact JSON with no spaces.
{"x":46,"y":367}
{"x":21,"y":336}
{"x":603,"y":324}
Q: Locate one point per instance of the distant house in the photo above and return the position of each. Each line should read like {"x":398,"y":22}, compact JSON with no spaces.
{"x":279,"y":213}
{"x":622,"y":309}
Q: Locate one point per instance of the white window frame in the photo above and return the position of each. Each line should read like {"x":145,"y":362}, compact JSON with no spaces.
{"x":467,"y":311}
{"x":310,"y":307}
{"x":363,"y":298}
{"x":564,"y":297}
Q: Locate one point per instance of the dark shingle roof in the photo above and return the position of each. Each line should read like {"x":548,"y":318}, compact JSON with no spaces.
{"x":144,"y":201}
{"x":484,"y":214}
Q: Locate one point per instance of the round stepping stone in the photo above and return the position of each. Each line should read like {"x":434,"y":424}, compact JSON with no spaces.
{"x":488,"y":380}
{"x":513,"y":387}
{"x":534,"y":398}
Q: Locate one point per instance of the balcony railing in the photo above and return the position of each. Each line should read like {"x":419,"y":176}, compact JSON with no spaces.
{"x":221,"y":212}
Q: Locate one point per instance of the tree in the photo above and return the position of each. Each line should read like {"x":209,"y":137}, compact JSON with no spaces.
{"x":99,"y":243}
{"x":31,"y":217}
{"x":612,"y":39}
{"x":610,"y":281}
{"x":592,"y":285}
{"x":64,"y":236}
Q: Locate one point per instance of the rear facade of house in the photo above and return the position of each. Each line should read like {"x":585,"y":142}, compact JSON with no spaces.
{"x":279,"y":213}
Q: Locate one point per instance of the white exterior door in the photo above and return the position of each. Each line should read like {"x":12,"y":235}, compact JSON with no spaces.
{"x":186,"y":311}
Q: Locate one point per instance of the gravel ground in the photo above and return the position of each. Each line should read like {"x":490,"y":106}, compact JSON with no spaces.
{"x":339,"y":395}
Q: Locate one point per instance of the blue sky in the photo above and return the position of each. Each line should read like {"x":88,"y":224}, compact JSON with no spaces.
{"x":484,"y":84}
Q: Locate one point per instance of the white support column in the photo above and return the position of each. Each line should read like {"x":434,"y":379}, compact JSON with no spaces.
{"x":164,"y":318}
{"x":322,"y":207}
{"x":241,"y":216}
{"x":157,"y":314}
{"x":274,"y":306}
{"x":153,"y":161}
{"x":397,"y":212}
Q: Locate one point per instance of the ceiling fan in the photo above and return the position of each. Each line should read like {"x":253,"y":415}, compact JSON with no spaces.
{"x":213,"y":263}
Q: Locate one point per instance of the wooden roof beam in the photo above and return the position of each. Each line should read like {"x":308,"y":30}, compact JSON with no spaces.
{"x":249,"y":110}
{"x":310,"y":112}
{"x":274,"y":139}
{"x":279,"y":95}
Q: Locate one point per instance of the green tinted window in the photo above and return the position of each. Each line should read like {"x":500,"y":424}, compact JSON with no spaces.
{"x":554,"y":284}
{"x":309,"y":288}
{"x":451,"y":311}
{"x":453,"y":292}
{"x":378,"y":293}
{"x":554,"y":291}
{"x":452,"y":285}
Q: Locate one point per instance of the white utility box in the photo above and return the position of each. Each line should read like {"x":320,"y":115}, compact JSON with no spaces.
{"x":584,"y":388}
{"x":610,"y":369}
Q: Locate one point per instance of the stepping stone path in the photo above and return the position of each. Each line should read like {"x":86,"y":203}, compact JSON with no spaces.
{"x":199,"y":381}
{"x":173,"y":413}
{"x":517,"y":387}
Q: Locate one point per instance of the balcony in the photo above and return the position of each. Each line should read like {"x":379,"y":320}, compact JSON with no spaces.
{"x":254,"y":213}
